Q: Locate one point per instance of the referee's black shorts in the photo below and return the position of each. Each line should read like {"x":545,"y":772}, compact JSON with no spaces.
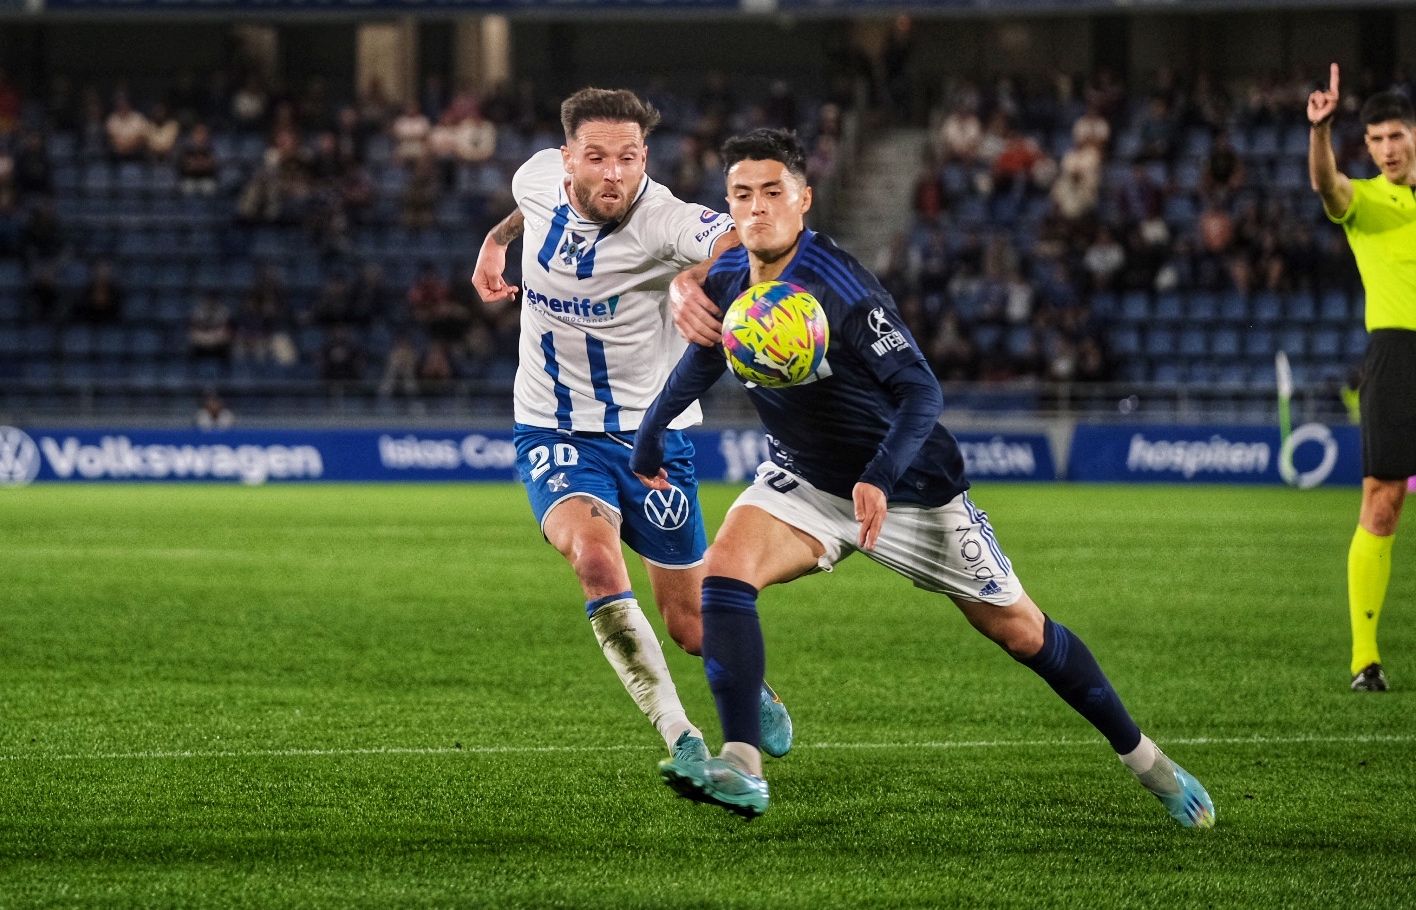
{"x":1388,"y":402}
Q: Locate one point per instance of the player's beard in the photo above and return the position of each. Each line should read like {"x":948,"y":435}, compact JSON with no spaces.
{"x":587,"y":199}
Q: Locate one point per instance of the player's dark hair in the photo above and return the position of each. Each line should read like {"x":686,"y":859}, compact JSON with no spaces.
{"x":766,"y":145}
{"x":1384,"y":106}
{"x":613,"y":105}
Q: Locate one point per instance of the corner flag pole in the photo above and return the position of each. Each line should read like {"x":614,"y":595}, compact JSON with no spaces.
{"x":1285,"y":396}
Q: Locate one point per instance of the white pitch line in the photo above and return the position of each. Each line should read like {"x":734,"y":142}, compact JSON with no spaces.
{"x":1359,"y":739}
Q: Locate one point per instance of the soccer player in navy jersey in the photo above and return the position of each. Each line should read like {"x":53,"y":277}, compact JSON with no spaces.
{"x":858,"y":461}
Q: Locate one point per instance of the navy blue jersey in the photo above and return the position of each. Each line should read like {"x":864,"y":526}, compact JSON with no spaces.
{"x":870,"y":412}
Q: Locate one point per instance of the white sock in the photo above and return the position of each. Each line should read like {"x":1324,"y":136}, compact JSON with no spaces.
{"x":1142,"y":758}
{"x":632,"y":648}
{"x":744,"y":756}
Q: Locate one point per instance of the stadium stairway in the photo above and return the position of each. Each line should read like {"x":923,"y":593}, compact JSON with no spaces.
{"x":876,"y":197}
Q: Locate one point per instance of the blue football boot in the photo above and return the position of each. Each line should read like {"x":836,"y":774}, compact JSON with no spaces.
{"x":720,"y":782}
{"x":776,"y":724}
{"x":1183,"y":797}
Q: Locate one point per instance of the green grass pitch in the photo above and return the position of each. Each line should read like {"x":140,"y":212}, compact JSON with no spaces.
{"x":349,"y":696}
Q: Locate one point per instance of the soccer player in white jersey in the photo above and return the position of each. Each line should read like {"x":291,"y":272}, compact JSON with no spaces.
{"x":602,"y":243}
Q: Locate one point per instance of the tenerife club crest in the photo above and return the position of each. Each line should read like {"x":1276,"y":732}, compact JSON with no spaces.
{"x":573,"y":247}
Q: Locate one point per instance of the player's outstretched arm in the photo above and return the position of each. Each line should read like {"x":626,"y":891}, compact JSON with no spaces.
{"x":697,"y":318}
{"x":1329,"y":183}
{"x":695,"y":374}
{"x":491,"y":259}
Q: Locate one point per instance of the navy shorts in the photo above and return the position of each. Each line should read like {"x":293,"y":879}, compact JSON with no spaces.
{"x":664,"y":528}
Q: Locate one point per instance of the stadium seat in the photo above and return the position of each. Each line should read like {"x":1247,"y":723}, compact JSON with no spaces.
{"x":1225,"y":342}
{"x":1160,"y":343}
{"x":1293,"y":342}
{"x":1167,"y":372}
{"x":1334,"y":307}
{"x":1122,"y":340}
{"x":1232,"y":306}
{"x":1326,"y":344}
{"x":1136,"y":307}
{"x":1300,"y":307}
{"x":1202,"y":306}
{"x":1356,"y":342}
{"x":1193,"y":342}
{"x":1267,"y":308}
{"x":1259,"y":345}
{"x":1168,"y":307}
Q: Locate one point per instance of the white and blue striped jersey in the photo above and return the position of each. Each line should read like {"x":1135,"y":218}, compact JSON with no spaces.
{"x":597,"y":336}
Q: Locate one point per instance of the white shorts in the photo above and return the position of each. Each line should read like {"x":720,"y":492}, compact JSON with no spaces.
{"x":950,"y":549}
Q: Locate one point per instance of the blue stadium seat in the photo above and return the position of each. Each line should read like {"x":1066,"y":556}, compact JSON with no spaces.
{"x":1333,"y":307}
{"x":1168,"y":307}
{"x":1193,"y":343}
{"x":77,"y":342}
{"x":1160,"y":343}
{"x":1123,"y":340}
{"x":1202,"y":306}
{"x":1105,"y":304}
{"x":1267,"y":307}
{"x":986,"y":337}
{"x":1326,"y":344}
{"x":1136,"y":306}
{"x":1293,"y":342}
{"x":1167,"y":372}
{"x":1300,"y":306}
{"x":97,"y":180}
{"x":1263,"y":142}
{"x":1356,"y":342}
{"x":1295,"y":141}
{"x":1202,"y":372}
{"x":1233,"y":307}
{"x":1259,"y":345}
{"x":1225,"y":342}
{"x":1197,"y":142}
{"x":12,"y":277}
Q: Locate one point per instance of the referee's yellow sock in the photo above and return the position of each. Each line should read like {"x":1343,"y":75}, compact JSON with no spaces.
{"x":1368,"y":571}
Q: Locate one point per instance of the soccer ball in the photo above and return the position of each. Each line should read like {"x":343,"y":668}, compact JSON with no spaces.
{"x":774,"y":335}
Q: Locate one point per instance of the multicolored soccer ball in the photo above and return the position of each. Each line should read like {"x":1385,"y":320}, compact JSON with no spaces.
{"x":775,"y":335}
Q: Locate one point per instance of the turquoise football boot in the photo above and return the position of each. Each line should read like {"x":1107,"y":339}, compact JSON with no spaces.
{"x":776,"y":724}
{"x":683,"y":769}
{"x":720,"y":782}
{"x":1183,"y":797}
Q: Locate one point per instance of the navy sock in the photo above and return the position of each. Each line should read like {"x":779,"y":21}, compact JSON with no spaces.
{"x":733,"y":656}
{"x":1069,"y":668}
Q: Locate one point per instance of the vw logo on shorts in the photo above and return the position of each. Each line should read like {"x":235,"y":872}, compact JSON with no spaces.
{"x":19,"y":457}
{"x":667,"y":509}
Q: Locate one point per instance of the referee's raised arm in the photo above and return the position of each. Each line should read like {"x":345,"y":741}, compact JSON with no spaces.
{"x":1329,"y":183}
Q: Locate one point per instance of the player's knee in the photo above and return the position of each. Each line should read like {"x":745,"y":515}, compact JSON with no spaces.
{"x":1017,"y":632}
{"x":599,"y":568}
{"x":685,"y":627}
{"x":725,"y":559}
{"x":1020,"y":641}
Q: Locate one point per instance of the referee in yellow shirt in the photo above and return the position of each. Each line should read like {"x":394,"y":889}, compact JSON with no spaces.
{"x":1379,"y":216}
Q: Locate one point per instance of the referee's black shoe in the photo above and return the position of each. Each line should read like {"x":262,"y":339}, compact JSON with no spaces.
{"x":1371,"y":678}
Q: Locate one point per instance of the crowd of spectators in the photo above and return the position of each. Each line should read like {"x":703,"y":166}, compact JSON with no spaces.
{"x":356,"y":218}
{"x":1042,"y":202}
{"x":335,"y":234}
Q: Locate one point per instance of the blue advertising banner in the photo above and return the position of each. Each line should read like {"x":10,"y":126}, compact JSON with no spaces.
{"x":735,"y":454}
{"x":249,"y":456}
{"x":1315,"y":454}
